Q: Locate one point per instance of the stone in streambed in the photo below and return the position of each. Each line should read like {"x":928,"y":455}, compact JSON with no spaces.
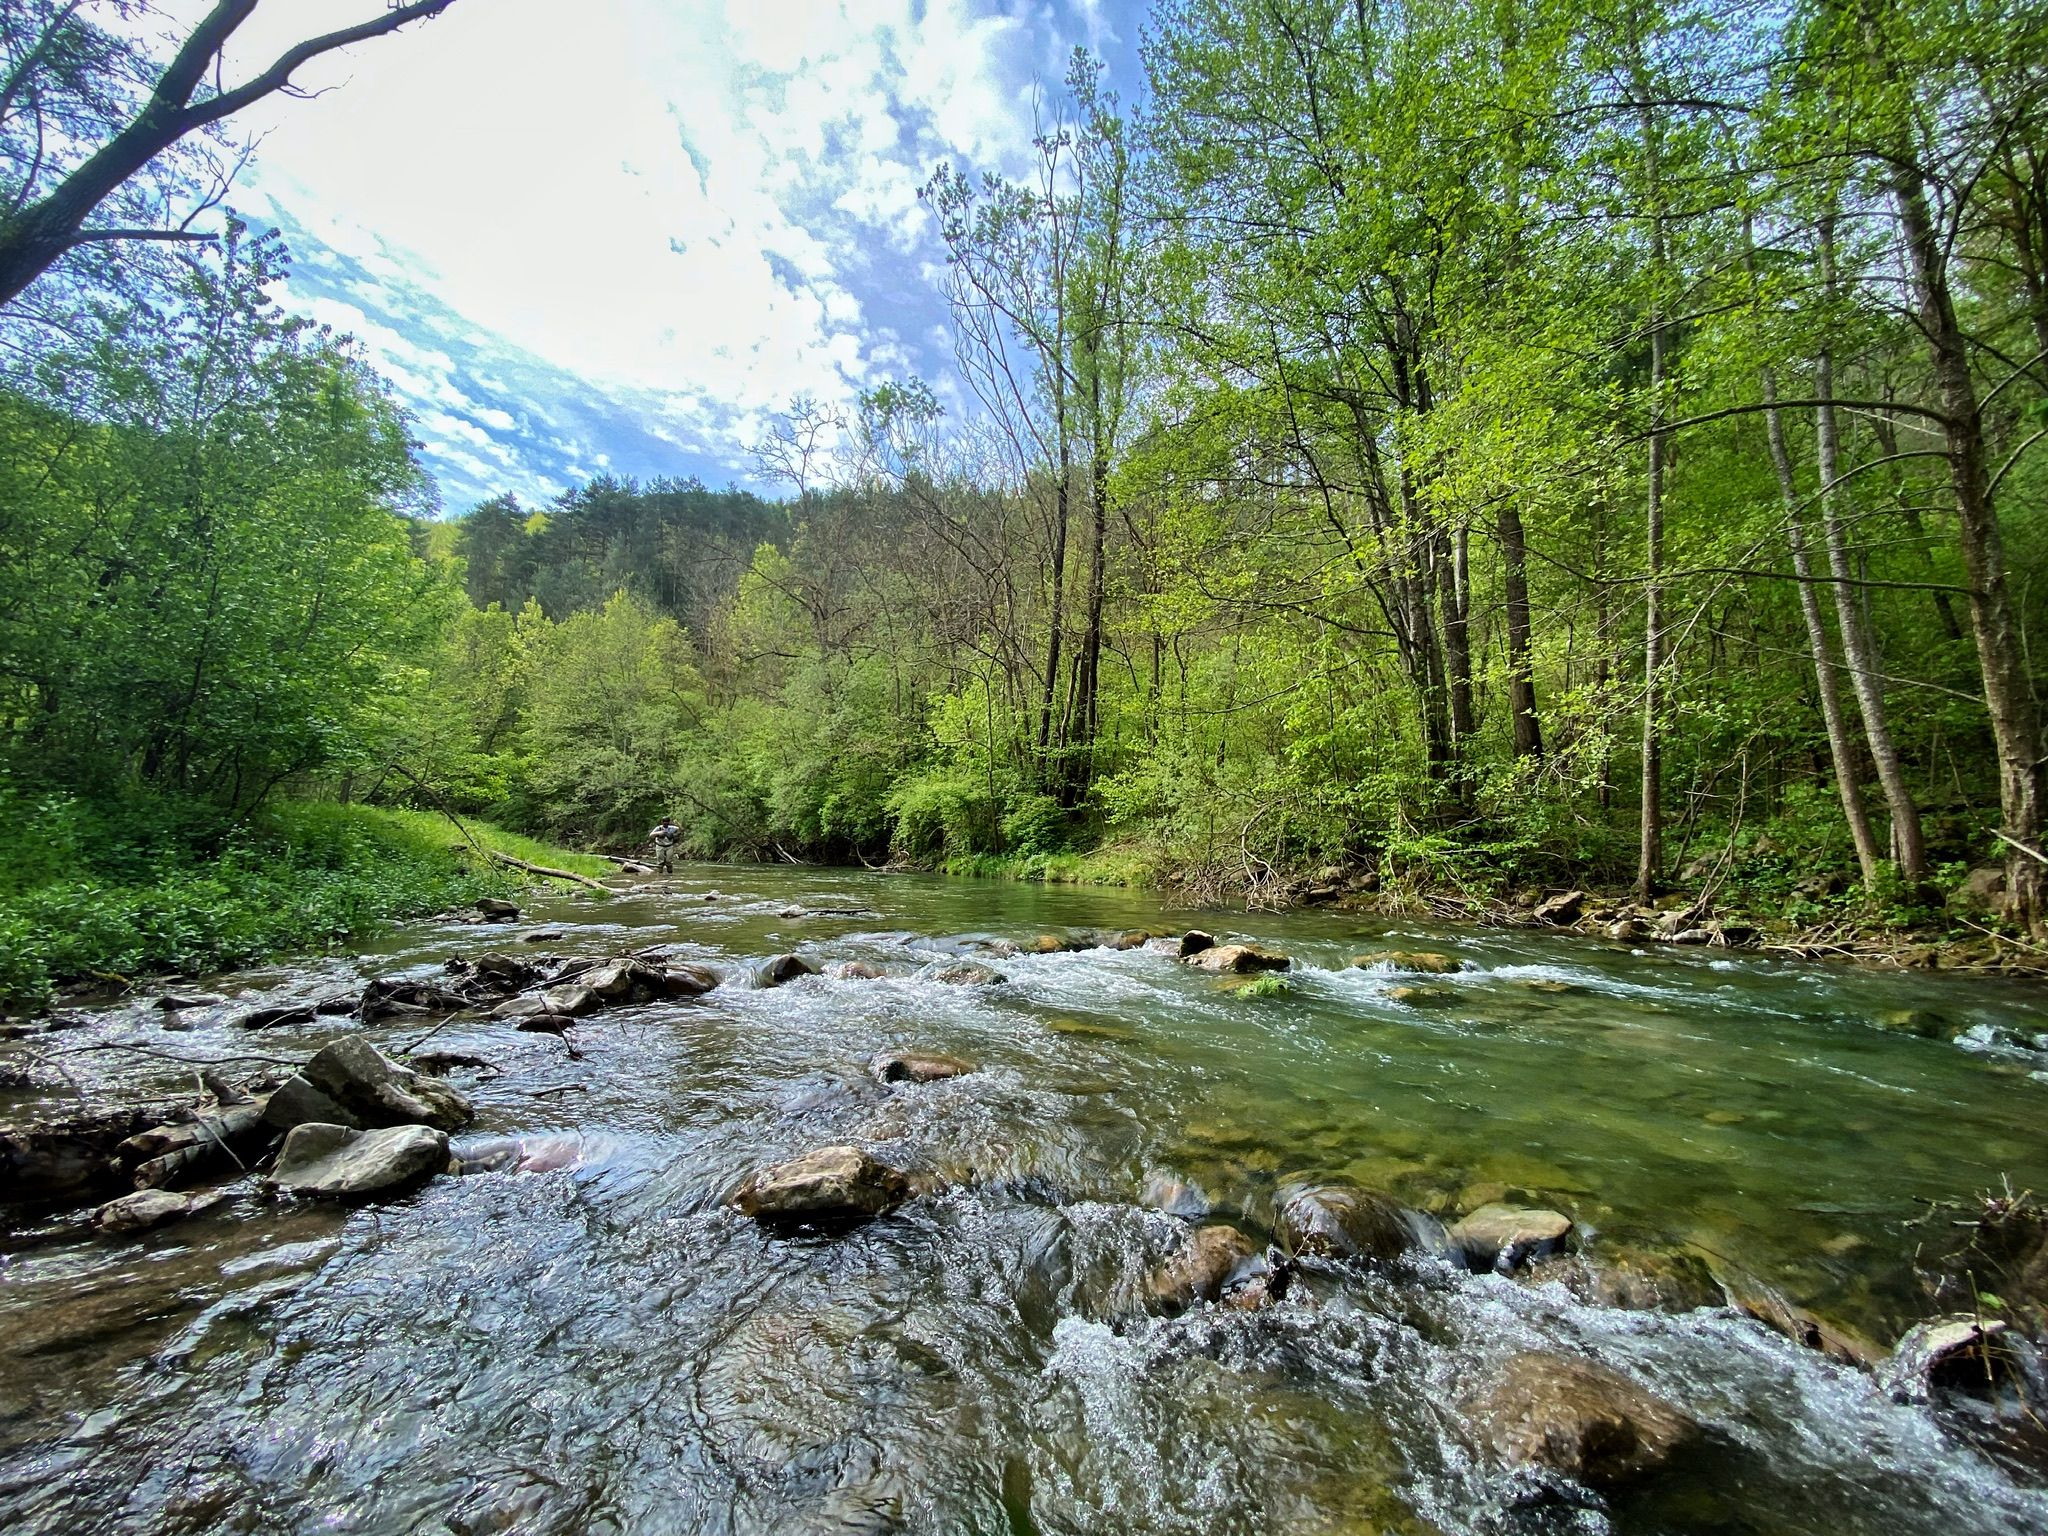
{"x":1422,"y":997}
{"x":965,"y":973}
{"x":1967,"y":1355}
{"x":857,"y":970}
{"x":1338,"y":1221}
{"x":179,"y":1002}
{"x":1579,"y":1419}
{"x":298,"y":1102}
{"x":831,"y":1187}
{"x":1562,"y":910}
{"x":1422,"y":962}
{"x":782,"y":970}
{"x":493,"y":910}
{"x":917,"y":1067}
{"x":147,"y":1208}
{"x":1164,"y":1192}
{"x":1505,"y":1236}
{"x":1631,"y":1280}
{"x":341,"y":1162}
{"x":271,"y":1015}
{"x":375,"y":1091}
{"x":1202,"y":1269}
{"x":1239,"y":959}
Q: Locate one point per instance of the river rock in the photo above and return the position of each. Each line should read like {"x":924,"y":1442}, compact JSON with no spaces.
{"x":494,"y":973}
{"x":144,"y":1209}
{"x":1561,"y":910}
{"x":1164,"y":1192}
{"x":1239,"y":959}
{"x":1968,"y":1355}
{"x":1504,"y":1237}
{"x":494,"y":910}
{"x":1577,"y":1418}
{"x":782,"y":970}
{"x":1628,"y":930}
{"x":375,"y":1091}
{"x":833,"y":1186}
{"x":917,"y":1067}
{"x":1631,"y":1280}
{"x":341,"y":1161}
{"x":271,"y":1015}
{"x":1692,"y":936}
{"x":179,"y":1002}
{"x":1338,"y":1221}
{"x":677,"y":981}
{"x":1046,"y":944}
{"x":857,"y":970}
{"x":1193,"y":942}
{"x":965,"y":973}
{"x":1422,"y":997}
{"x":1202,"y":1269}
{"x":1423,"y":962}
{"x":298,"y":1102}
{"x":1771,"y":1307}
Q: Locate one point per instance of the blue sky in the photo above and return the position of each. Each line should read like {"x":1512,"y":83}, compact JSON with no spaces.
{"x":615,"y":235}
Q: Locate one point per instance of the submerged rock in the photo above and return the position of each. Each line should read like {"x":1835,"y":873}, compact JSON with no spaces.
{"x":1202,"y":1269}
{"x":1175,"y":1197}
{"x":1423,"y":962}
{"x":783,"y":969}
{"x":1422,"y":997}
{"x":917,"y":1067}
{"x":1506,"y":1236}
{"x":1577,"y":1418}
{"x":857,"y":970}
{"x":338,"y":1160}
{"x":833,"y":1186}
{"x":1633,"y":1280}
{"x":1338,"y":1221}
{"x":965,"y":973}
{"x":1239,"y":959}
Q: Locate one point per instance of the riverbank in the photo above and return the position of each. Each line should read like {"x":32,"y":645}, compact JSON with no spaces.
{"x":98,"y":900}
{"x":1814,"y":918}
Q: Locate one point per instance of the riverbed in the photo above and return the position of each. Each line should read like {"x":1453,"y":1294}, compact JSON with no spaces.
{"x":607,"y":1346}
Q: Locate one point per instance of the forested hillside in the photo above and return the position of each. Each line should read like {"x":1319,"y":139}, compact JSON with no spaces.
{"x":1479,"y":444}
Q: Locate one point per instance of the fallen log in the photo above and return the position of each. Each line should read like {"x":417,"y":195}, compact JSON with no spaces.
{"x":550,"y":874}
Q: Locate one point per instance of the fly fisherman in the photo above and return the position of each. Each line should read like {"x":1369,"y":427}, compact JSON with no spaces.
{"x":665,"y":836}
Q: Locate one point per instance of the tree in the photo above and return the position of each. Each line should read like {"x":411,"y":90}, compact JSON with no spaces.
{"x":81,"y":116}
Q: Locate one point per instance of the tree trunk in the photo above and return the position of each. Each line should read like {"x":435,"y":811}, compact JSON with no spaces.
{"x":1514,"y":548}
{"x":2015,"y":728}
{"x":1840,"y":749}
{"x":1857,"y":647}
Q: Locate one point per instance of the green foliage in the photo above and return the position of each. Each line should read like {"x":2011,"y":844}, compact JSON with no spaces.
{"x":102,"y":892}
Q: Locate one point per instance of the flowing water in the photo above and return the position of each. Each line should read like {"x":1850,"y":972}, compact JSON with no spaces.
{"x":607,"y":1347}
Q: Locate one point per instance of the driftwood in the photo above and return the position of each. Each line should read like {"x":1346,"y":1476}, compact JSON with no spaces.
{"x":551,"y":874}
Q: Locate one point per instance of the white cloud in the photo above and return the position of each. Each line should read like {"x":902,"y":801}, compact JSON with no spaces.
{"x":690,"y":207}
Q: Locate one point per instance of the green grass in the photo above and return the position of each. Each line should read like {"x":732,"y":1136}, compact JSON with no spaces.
{"x":135,"y":896}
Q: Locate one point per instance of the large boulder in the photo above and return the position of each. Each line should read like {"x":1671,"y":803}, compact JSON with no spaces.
{"x":1577,"y":1418}
{"x":1338,"y":1221}
{"x":1504,"y":1237}
{"x":368,"y":1089}
{"x":1193,"y":942}
{"x":831,"y":1187}
{"x":1982,"y":890}
{"x":1561,"y":910}
{"x":1238,"y":959}
{"x":340,"y":1161}
{"x":1202,"y":1269}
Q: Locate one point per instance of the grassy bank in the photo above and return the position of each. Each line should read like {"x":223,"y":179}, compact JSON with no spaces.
{"x":93,"y":894}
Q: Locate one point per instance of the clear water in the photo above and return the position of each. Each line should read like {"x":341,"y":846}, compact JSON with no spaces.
{"x":608,"y":1348}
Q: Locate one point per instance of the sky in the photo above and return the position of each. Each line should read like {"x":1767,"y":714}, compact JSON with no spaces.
{"x":582,"y":237}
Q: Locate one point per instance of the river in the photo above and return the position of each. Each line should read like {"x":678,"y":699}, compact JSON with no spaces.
{"x":608,"y":1347}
